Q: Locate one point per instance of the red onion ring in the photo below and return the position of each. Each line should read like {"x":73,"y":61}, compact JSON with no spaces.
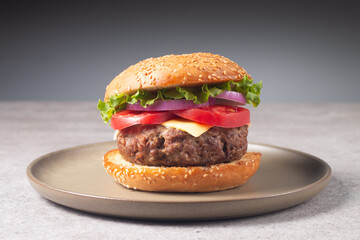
{"x":232,"y":96}
{"x":168,"y":105}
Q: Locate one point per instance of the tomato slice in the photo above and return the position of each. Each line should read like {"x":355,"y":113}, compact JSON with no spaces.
{"x":128,"y":118}
{"x":217,"y":115}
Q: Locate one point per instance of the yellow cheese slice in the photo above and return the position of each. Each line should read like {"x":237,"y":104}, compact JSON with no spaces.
{"x":193,"y":128}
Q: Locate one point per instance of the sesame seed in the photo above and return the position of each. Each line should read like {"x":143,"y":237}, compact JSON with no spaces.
{"x":162,"y":177}
{"x":221,"y":175}
{"x":173,"y":177}
{"x":186,"y":176}
{"x":205,"y":175}
{"x":156,"y":175}
{"x":200,"y":76}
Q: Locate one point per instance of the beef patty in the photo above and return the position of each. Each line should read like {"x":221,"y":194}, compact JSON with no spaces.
{"x":156,"y":145}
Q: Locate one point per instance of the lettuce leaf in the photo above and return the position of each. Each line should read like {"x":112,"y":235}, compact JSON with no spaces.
{"x":250,"y":90}
{"x":199,"y":95}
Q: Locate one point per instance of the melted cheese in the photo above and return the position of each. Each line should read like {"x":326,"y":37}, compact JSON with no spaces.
{"x":193,"y":128}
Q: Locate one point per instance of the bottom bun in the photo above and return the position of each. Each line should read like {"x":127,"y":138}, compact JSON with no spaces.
{"x":181,"y":179}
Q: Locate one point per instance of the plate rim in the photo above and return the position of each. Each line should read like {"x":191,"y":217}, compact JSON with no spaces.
{"x":34,"y":180}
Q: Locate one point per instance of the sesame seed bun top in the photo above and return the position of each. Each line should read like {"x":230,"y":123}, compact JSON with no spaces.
{"x":175,"y":70}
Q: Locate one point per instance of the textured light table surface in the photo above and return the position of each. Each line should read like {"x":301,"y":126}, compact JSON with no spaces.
{"x":329,"y":131}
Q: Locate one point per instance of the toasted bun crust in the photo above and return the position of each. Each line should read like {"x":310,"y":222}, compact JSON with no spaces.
{"x":181,"y":179}
{"x":175,"y":70}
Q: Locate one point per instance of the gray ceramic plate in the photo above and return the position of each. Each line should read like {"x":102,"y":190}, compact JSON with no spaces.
{"x":75,"y":178}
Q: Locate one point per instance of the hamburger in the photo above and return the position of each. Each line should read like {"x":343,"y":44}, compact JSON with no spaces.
{"x":179,"y":124}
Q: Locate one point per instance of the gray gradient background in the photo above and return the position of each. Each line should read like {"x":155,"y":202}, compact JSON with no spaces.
{"x":56,"y":50}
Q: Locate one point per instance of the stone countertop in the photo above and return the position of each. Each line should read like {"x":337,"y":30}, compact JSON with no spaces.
{"x":328,"y":131}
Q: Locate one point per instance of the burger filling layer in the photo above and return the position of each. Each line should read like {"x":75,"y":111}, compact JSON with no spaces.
{"x":157,"y":145}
